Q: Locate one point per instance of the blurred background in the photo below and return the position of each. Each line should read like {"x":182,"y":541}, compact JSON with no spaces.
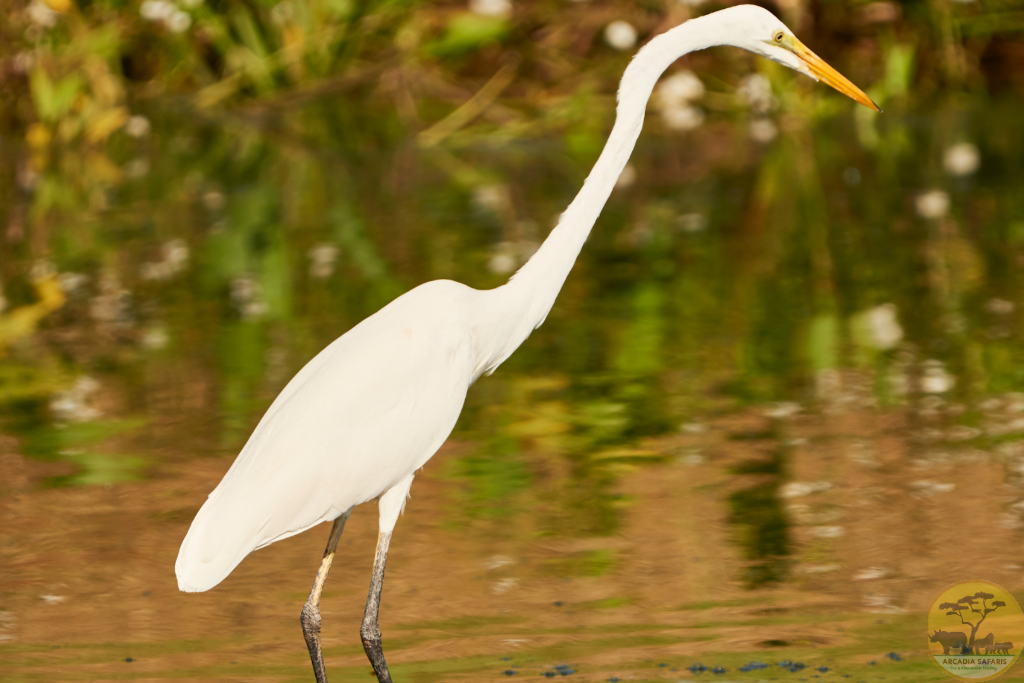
{"x":777,"y":407}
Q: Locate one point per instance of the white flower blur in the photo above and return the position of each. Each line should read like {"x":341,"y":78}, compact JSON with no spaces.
{"x":137,"y":126}
{"x":999,"y":306}
{"x":680,"y":88}
{"x":176,"y":253}
{"x":322,"y":259}
{"x":23,"y":62}
{"x":493,"y":198}
{"x":72,"y":283}
{"x":932,"y":204}
{"x":174,"y":258}
{"x":503,"y":258}
{"x":112,"y":305}
{"x":935,"y":379}
{"x":156,"y":10}
{"x":167,"y":13}
{"x":155,"y":337}
{"x":74,"y":404}
{"x":42,"y":270}
{"x":755,"y":92}
{"x":683,"y":118}
{"x":491,"y":8}
{"x":763,"y":130}
{"x":620,"y":35}
{"x":42,"y":15}
{"x":247,"y":295}
{"x":961,"y":159}
{"x":673,"y":98}
{"x":508,"y":256}
{"x":179,"y":22}
{"x":214,"y":200}
{"x":882,"y":326}
{"x":692,"y":222}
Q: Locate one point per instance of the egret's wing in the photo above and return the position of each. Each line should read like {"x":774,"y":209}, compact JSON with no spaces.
{"x":370,"y":409}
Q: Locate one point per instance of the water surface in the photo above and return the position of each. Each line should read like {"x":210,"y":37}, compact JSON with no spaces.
{"x":777,"y":407}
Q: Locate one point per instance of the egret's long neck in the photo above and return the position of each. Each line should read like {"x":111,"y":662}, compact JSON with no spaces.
{"x":524,"y":302}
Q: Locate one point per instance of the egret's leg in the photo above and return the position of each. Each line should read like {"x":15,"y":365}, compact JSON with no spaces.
{"x":391,"y":505}
{"x":310,"y":616}
{"x":370,"y":631}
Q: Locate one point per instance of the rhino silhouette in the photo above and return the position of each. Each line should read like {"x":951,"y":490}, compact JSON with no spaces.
{"x":949,"y":639}
{"x":1001,"y":648}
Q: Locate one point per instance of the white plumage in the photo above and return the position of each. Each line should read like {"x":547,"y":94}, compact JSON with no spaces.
{"x":368,"y":411}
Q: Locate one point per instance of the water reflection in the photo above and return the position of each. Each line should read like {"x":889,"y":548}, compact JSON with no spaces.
{"x":784,"y":371}
{"x":760,"y":520}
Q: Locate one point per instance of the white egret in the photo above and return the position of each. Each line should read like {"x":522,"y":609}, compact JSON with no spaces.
{"x":365,"y":414}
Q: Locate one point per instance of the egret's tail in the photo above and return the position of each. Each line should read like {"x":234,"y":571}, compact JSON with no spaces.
{"x":214,"y":546}
{"x":228,"y":527}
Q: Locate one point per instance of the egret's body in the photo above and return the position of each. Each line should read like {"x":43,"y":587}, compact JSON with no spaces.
{"x":373,"y":407}
{"x":363,"y":415}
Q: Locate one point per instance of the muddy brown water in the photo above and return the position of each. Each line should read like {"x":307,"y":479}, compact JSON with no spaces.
{"x":88,"y":571}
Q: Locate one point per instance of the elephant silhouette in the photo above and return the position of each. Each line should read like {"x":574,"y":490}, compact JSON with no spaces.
{"x":949,"y":639}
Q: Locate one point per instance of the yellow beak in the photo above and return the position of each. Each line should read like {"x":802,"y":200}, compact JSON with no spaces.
{"x":817,"y":68}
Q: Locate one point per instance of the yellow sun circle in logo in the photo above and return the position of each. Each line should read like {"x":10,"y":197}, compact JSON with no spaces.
{"x":975,"y":630}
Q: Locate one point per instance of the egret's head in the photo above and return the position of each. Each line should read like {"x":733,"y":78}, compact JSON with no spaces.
{"x":763,"y":34}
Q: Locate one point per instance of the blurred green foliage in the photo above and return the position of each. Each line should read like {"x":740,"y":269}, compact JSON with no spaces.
{"x":197,"y":196}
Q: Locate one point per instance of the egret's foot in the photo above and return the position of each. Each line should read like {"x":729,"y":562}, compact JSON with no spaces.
{"x":370,"y":631}
{"x":310,"y":619}
{"x":375,"y":652}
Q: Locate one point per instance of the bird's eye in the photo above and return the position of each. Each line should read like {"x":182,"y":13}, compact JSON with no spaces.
{"x":779,"y":35}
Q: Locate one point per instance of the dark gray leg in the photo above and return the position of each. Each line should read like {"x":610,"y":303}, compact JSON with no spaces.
{"x":370,"y":632}
{"x":310,"y":616}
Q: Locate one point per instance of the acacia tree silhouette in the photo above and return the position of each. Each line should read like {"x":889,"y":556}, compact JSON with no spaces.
{"x":968,"y":604}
